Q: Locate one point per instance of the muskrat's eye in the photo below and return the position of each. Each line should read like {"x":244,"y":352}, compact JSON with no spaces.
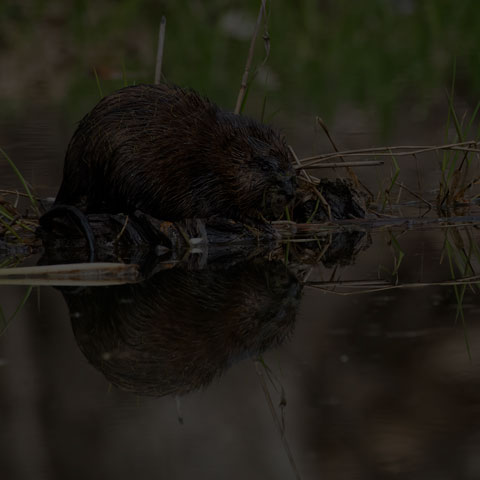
{"x":266,"y":164}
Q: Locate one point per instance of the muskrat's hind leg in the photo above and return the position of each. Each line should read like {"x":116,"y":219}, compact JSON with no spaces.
{"x":80,"y":220}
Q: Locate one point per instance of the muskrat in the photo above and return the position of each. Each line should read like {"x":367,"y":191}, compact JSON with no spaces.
{"x":173,"y":154}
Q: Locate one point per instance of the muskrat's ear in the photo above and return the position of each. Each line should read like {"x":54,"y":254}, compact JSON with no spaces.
{"x":261,"y":148}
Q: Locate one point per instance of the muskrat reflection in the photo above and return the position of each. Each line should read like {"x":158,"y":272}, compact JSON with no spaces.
{"x":180,"y":329}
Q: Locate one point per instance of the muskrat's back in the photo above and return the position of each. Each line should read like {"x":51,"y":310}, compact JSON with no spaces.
{"x":173,"y":154}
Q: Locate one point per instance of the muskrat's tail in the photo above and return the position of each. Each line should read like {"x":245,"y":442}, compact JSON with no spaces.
{"x":78,"y":218}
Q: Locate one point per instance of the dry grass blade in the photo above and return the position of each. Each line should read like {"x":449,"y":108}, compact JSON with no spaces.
{"x":327,"y":133}
{"x":312,"y":180}
{"x":351,"y":173}
{"x":299,"y":166}
{"x":379,"y":286}
{"x":356,"y":181}
{"x":399,"y":150}
{"x":365,"y":163}
{"x":417,"y":196}
{"x":6,"y":322}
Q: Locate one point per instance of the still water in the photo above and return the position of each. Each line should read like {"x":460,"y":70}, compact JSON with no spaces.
{"x":364,"y":385}
{"x":254,"y":369}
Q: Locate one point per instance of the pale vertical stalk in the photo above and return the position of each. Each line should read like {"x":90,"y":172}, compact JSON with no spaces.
{"x":161,"y":44}
{"x":243,"y":85}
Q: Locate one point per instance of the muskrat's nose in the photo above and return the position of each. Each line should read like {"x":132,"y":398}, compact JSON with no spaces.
{"x":287,"y":188}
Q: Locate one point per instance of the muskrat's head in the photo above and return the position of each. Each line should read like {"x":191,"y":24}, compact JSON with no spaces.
{"x":273,"y":175}
{"x":261,"y":172}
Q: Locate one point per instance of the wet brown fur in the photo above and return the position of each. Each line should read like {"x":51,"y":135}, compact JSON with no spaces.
{"x":173,"y":154}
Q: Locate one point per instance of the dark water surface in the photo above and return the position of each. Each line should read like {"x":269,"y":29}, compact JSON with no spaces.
{"x":382,"y":384}
{"x":370,"y":385}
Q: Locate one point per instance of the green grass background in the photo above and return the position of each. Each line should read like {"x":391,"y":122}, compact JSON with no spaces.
{"x":374,"y":53}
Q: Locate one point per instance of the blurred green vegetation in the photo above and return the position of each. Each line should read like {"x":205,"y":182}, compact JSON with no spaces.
{"x":373,"y":53}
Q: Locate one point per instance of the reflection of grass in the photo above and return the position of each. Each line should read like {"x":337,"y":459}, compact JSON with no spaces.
{"x":462,"y":252}
{"x":461,"y":261}
{"x":4,"y":321}
{"x":398,"y":255}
